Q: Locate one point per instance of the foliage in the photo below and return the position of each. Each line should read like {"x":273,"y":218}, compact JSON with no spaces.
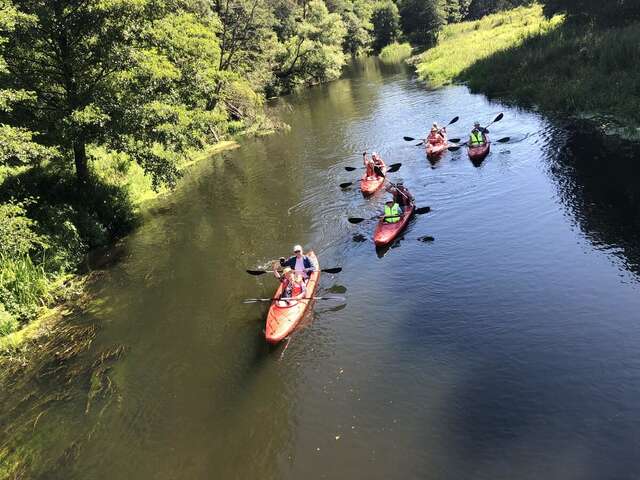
{"x":464,"y":44}
{"x":386,"y":24}
{"x":395,"y":52}
{"x":356,"y":16}
{"x":24,"y":286}
{"x":421,"y":20}
{"x":480,"y":8}
{"x":570,"y":69}
{"x":607,"y":13}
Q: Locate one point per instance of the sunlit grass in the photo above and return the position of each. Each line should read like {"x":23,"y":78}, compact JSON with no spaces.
{"x":460,"y":45}
{"x":395,"y":52}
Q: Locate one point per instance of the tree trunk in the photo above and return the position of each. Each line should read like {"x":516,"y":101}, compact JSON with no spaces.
{"x":80,"y":157}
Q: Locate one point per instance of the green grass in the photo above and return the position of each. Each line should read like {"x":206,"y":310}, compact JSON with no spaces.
{"x":395,"y":52}
{"x":583,"y":71}
{"x":462,"y":44}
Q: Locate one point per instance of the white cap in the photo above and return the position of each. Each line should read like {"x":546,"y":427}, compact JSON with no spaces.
{"x":297,"y":247}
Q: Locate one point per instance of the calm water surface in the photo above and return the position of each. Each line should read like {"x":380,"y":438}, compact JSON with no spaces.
{"x":505,"y":349}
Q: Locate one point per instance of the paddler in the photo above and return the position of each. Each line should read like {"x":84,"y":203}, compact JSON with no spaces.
{"x":300,"y":263}
{"x":477,"y":137}
{"x":436,"y":135}
{"x":373,"y":165}
{"x":293,"y":289}
{"x":401,"y":195}
{"x":392,"y":211}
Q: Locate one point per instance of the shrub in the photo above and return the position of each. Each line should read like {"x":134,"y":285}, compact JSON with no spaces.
{"x":395,"y":53}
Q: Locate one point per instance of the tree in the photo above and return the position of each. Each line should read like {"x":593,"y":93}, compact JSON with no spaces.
{"x":356,"y":16}
{"x":455,"y":10}
{"x":421,"y":21}
{"x":480,"y":8}
{"x":611,"y":12}
{"x":314,"y":53}
{"x":386,"y":24}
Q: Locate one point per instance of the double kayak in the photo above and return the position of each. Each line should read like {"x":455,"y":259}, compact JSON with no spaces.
{"x":282,"y":320}
{"x":369,"y":185}
{"x":477,"y":154}
{"x":387,"y":232}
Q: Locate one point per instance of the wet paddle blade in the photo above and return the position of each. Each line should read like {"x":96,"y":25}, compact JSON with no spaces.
{"x":256,"y":272}
{"x":346,"y":185}
{"x":454,"y":149}
{"x":350,"y":169}
{"x":503,"y":140}
{"x":419,"y":144}
{"x":455,"y":140}
{"x":332,"y":270}
{"x":355,"y":221}
{"x":409,"y":139}
{"x":394,"y":168}
{"x":453,"y":120}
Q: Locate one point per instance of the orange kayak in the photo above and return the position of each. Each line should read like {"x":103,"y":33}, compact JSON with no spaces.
{"x":436,"y":149}
{"x":281,"y":321}
{"x":369,"y":185}
{"x":387,"y":232}
{"x":479,"y":153}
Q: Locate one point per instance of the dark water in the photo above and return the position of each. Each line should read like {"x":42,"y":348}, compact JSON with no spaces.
{"x":505,"y":349}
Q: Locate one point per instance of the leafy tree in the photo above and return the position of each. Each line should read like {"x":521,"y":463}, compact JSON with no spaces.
{"x":314,"y":53}
{"x":356,"y":15}
{"x":610,"y":12}
{"x":480,"y":8}
{"x":421,"y":20}
{"x":386,"y":24}
{"x":455,"y":10}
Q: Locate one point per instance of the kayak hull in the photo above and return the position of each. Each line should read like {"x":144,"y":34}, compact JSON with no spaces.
{"x":386,"y":233}
{"x":370,"y":185}
{"x":281,"y":321}
{"x":477,"y":154}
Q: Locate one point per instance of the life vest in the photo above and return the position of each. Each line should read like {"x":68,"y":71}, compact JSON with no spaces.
{"x":477,"y":138}
{"x":292,"y":289}
{"x":393,"y":211}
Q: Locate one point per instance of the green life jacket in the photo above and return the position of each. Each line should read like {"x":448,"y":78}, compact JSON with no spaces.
{"x":476,"y":138}
{"x":393,"y":211}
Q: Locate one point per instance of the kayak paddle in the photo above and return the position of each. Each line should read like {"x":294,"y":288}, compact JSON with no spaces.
{"x":411,"y":139}
{"x":262,"y":272}
{"x":256,"y":300}
{"x":497,"y":119}
{"x":458,"y":147}
{"x":390,"y":169}
{"x":417,"y":211}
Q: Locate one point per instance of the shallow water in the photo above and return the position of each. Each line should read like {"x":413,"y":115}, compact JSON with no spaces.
{"x":506,"y":348}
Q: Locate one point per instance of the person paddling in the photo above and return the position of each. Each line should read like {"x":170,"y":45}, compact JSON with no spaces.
{"x":392,"y":212}
{"x":401,"y":195}
{"x":477,"y":137}
{"x":373,"y":165}
{"x":293,"y":288}
{"x":300,"y":263}
{"x":437,"y":134}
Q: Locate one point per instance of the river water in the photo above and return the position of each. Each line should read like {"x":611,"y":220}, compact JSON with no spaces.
{"x":506,"y":348}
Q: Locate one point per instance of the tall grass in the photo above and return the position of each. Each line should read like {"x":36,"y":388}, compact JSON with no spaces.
{"x":570,"y":69}
{"x":461,"y":45}
{"x":395,"y":52}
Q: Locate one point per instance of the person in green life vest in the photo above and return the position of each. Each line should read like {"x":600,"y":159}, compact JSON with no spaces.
{"x":392,"y":212}
{"x":477,"y":137}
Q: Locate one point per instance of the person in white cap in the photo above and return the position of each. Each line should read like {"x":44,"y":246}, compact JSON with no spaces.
{"x":436,"y":136}
{"x":299,"y":263}
{"x":373,"y":165}
{"x":477,"y":137}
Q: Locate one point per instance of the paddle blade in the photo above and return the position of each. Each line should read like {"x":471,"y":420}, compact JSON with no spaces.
{"x":454,"y":120}
{"x":503,"y":140}
{"x":394,"y":168}
{"x":409,"y":139}
{"x":350,"y":169}
{"x":355,"y":221}
{"x":499,"y":117}
{"x":419,"y":144}
{"x":332,"y":270}
{"x":346,"y":185}
{"x":422,"y":210}
{"x":256,"y":272}
{"x":454,"y":149}
{"x":455,"y":140}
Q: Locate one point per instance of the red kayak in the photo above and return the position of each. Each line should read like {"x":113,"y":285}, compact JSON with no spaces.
{"x":477,"y":154}
{"x":436,"y":149}
{"x":282,"y":320}
{"x":369,"y":185}
{"x":387,"y":232}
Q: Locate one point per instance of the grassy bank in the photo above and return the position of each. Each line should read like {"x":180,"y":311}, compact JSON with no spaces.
{"x":395,"y":52}
{"x":460,"y":45}
{"x":521,"y":57}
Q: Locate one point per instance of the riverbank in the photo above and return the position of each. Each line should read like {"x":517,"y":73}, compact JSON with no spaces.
{"x":521,"y":57}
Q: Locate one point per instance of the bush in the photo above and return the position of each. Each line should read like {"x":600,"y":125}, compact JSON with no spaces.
{"x":24,"y":286}
{"x":395,"y":53}
{"x":8,"y":324}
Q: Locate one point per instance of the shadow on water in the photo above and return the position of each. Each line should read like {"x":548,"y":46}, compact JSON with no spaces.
{"x":597,"y":180}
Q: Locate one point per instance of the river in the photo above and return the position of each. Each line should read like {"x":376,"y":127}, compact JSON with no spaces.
{"x":507,"y":348}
